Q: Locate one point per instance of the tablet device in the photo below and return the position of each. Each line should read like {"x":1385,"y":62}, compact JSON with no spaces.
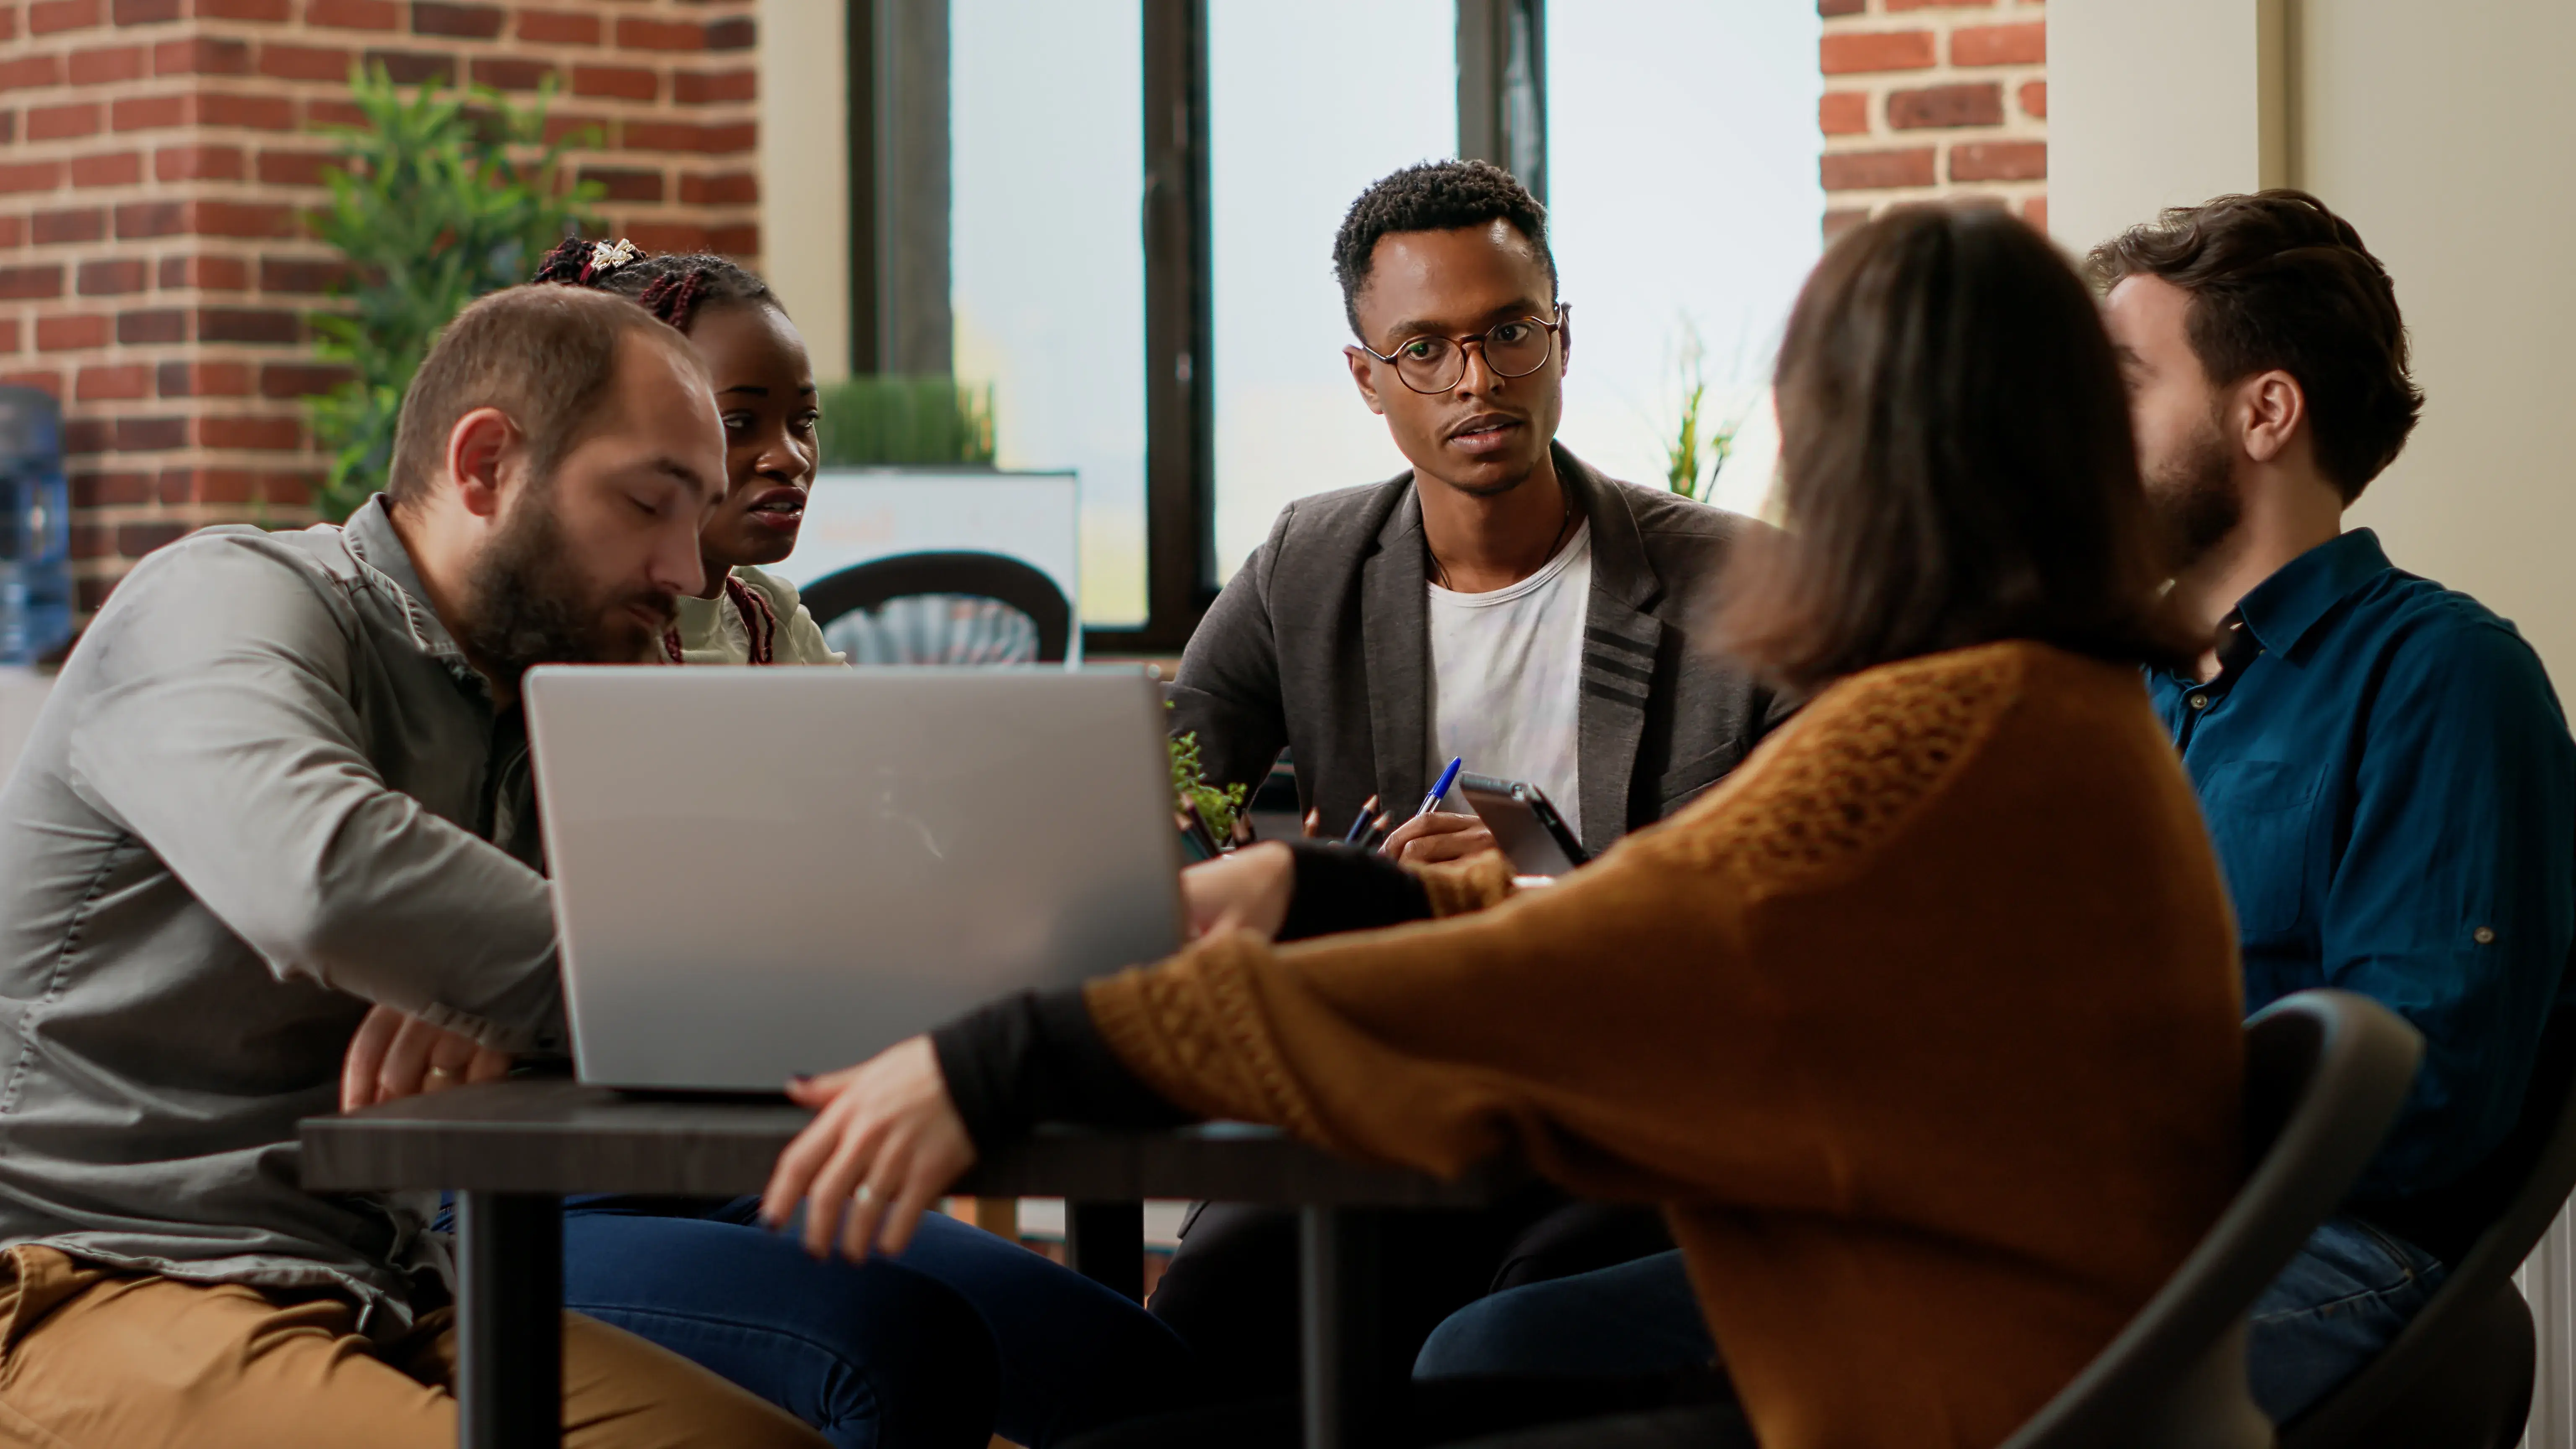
{"x":1532,"y":835}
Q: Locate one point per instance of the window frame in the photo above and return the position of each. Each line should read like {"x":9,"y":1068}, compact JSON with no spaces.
{"x":1502,"y":118}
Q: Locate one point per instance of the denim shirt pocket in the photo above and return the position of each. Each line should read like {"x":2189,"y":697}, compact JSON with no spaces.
{"x":2259,"y":814}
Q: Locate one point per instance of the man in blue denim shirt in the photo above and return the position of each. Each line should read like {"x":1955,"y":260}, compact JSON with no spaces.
{"x":2384,"y":767}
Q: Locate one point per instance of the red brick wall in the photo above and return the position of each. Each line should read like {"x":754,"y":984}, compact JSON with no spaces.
{"x":1929,"y":98}
{"x":155,"y":159}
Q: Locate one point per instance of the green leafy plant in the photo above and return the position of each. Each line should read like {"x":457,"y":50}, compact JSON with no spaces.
{"x":895,"y":419}
{"x":1682,"y":455}
{"x":1218,"y":807}
{"x":436,"y":199}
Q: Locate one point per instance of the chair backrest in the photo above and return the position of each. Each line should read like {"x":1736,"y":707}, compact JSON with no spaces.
{"x":2541,"y":1153}
{"x":2325,"y":1072}
{"x":982,"y":575}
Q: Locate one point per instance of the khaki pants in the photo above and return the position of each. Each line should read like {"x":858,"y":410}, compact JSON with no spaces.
{"x":93,"y":1358}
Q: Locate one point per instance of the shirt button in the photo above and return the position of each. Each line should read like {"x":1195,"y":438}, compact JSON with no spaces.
{"x":2199,"y":701}
{"x":2483,"y":935}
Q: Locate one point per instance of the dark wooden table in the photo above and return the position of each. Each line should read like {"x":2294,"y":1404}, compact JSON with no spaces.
{"x":511,"y":1150}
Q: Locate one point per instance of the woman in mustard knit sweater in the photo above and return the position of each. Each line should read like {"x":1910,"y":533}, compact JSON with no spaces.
{"x":1923,"y":1025}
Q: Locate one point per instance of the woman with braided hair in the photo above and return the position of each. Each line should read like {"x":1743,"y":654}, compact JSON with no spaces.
{"x":965,"y":1334}
{"x":765,"y":387}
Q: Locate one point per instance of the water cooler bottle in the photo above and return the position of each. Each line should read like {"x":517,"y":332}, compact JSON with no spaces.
{"x":35,"y":527}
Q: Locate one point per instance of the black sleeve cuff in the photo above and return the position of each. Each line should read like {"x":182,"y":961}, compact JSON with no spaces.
{"x":1034,"y":1058}
{"x":1341,"y":888}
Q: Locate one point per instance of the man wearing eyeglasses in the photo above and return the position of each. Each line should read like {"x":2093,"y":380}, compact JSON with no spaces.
{"x":1501,"y":602}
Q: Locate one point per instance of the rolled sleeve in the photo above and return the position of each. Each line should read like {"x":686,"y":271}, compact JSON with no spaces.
{"x":2454,"y":901}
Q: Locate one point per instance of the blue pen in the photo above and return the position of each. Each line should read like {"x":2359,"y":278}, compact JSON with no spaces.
{"x":1448,"y":777}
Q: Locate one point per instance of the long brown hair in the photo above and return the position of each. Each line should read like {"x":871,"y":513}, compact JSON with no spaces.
{"x":1956,"y":465}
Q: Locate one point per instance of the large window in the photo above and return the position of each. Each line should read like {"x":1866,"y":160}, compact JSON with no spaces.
{"x":1141,"y":202}
{"x":1684,"y":204}
{"x":1308,"y":104}
{"x":1048,"y":274}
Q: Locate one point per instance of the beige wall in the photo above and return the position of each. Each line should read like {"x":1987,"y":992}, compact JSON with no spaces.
{"x":2446,"y":134}
{"x":2152,"y":106}
{"x":805,"y":172}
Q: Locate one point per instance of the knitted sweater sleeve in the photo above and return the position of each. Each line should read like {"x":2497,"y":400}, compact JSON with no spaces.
{"x":1629,"y":1029}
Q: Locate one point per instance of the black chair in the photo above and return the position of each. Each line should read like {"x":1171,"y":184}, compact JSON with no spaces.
{"x":2460,"y":1376}
{"x":993,"y":576}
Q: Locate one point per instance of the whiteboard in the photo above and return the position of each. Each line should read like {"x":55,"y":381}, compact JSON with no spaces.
{"x":858,"y":514}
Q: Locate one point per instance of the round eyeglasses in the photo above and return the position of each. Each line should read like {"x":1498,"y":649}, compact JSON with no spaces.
{"x":1433,"y":363}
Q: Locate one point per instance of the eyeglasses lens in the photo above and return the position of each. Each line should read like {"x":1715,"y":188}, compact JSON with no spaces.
{"x":1434,"y":364}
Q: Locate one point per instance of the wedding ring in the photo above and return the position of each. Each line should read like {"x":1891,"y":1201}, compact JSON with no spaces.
{"x":863,"y":1196}
{"x":437,"y":1072}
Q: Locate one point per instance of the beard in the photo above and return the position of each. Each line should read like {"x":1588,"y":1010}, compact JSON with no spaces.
{"x":531,"y":605}
{"x":2194,"y":498}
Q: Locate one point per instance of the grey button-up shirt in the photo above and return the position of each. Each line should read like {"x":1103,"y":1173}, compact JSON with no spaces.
{"x":265,"y":792}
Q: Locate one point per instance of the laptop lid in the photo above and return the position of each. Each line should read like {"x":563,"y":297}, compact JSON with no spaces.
{"x":762,"y":872}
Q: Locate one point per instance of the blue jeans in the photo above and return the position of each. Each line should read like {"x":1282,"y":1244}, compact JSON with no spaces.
{"x":2345,"y":1297}
{"x":1635,"y":1319}
{"x":963,"y":1336}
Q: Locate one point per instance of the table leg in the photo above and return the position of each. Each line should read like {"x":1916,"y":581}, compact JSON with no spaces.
{"x":1105,"y":1242}
{"x":1337,"y":1264}
{"x":509,"y":1320}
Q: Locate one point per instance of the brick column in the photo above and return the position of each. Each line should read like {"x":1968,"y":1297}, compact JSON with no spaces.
{"x":1934,"y":98}
{"x":156,"y":157}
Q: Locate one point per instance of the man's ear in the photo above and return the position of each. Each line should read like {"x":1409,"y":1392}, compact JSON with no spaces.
{"x":1564,"y":338}
{"x":1366,"y":378}
{"x":478,"y":449}
{"x":2271,"y":407}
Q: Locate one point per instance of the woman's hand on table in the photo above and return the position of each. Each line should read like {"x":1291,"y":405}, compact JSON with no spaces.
{"x":885,"y":1145}
{"x":1439,"y":836}
{"x":1248,"y":889}
{"x":396,"y":1055}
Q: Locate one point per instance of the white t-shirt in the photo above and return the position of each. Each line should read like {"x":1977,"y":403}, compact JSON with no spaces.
{"x":1506,"y":680}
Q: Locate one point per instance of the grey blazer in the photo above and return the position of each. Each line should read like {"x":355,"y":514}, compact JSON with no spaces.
{"x":1321,"y":644}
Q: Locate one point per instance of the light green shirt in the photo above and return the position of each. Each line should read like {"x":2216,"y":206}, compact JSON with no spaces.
{"x":713,"y":631}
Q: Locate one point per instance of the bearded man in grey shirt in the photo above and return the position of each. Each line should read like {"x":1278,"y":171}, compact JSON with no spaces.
{"x":283,"y":778}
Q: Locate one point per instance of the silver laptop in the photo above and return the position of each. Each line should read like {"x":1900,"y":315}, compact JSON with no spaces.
{"x":760,"y":872}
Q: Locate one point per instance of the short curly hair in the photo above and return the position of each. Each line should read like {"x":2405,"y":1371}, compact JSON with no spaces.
{"x":2278,"y":280}
{"x":1434,"y":196}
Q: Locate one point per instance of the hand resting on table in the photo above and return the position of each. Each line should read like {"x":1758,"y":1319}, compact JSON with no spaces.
{"x":396,"y":1055}
{"x":885,"y":1144}
{"x":887,"y":1141}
